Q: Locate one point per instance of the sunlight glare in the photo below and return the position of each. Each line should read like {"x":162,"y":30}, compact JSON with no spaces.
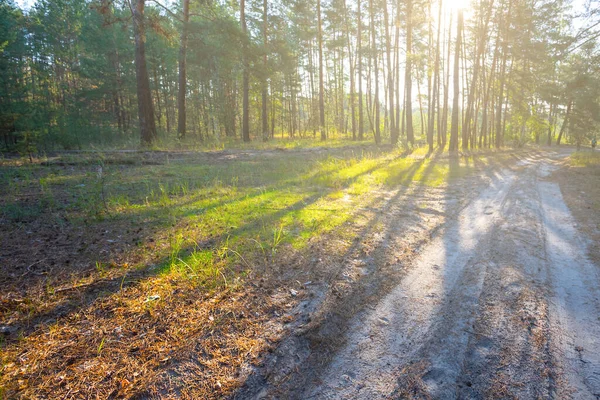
{"x":452,"y":5}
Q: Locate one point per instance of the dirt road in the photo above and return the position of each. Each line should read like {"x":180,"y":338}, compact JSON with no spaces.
{"x":502,"y":303}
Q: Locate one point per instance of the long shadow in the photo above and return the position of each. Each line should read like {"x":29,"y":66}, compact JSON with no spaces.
{"x":334,"y":321}
{"x":155,"y":217}
{"x":325,"y":334}
{"x":450,"y":323}
{"x":84,"y":296}
{"x":291,"y":183}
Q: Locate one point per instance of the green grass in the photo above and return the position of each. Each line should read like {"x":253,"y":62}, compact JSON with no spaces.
{"x":585,"y":158}
{"x":285,"y":143}
{"x":218,"y":212}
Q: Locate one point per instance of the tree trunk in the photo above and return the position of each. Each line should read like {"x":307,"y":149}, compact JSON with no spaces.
{"x":265,"y":94}
{"x":359,"y":61}
{"x":456,"y":78}
{"x":376,"y":70}
{"x":410,"y":136}
{"x":446,"y":86}
{"x":481,"y":41}
{"x":352,"y":71}
{"x":564,"y":124}
{"x":245,"y":77}
{"x":390,"y":67}
{"x":436,"y":87}
{"x":321,"y":85}
{"x":181,"y":95}
{"x":550,"y":125}
{"x":499,"y":125}
{"x":145,"y":106}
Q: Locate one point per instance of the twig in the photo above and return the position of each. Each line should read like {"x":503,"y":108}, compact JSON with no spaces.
{"x":33,"y":272}
{"x":69,"y":288}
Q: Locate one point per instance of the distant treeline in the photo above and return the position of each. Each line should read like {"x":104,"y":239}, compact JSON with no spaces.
{"x":78,"y":73}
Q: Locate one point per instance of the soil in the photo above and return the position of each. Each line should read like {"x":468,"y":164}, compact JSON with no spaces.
{"x":497,"y":297}
{"x":486,"y":287}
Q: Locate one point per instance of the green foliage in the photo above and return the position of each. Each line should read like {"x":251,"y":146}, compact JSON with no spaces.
{"x":68,"y":79}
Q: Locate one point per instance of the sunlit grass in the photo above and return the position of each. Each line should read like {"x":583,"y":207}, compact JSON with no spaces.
{"x":277,"y":143}
{"x":213,"y":214}
{"x":585,"y":158}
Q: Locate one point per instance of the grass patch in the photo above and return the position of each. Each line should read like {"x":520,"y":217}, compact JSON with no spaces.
{"x":145,"y":252}
{"x":585,"y":158}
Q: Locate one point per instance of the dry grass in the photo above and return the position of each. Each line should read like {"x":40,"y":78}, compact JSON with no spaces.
{"x":98,"y":299}
{"x":580,"y":186}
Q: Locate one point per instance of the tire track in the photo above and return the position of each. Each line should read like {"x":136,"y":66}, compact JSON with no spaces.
{"x":435,"y":300}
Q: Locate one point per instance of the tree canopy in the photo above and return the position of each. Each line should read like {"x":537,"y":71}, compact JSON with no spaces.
{"x":76,"y":74}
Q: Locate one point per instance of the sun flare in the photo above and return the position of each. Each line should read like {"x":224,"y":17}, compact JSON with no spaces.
{"x":453,"y":5}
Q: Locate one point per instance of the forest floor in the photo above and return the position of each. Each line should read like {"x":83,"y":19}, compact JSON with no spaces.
{"x":322,"y":272}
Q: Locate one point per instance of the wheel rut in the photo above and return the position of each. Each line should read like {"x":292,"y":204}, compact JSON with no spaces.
{"x":503,"y":302}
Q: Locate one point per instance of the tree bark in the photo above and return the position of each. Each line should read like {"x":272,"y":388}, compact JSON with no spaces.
{"x":564,"y":124}
{"x":145,"y":106}
{"x":352,"y":71}
{"x":265,"y":94}
{"x":359,"y":61}
{"x":410,"y":136}
{"x":181,"y":95}
{"x":391,"y":86}
{"x":321,"y":77}
{"x":456,"y":78}
{"x":376,"y":123}
{"x":245,"y":77}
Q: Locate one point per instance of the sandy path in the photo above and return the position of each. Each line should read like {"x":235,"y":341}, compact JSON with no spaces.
{"x":503,"y":302}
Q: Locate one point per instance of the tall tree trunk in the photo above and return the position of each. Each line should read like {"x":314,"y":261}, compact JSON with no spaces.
{"x":480,"y":48}
{"x":377,"y":124}
{"x":181,"y":110}
{"x":410,"y":136}
{"x":446,"y":86}
{"x":485,"y":132}
{"x":352,"y":72}
{"x":245,"y":77}
{"x":360,"y":72}
{"x":321,"y":75}
{"x":456,"y":78}
{"x":145,"y":106}
{"x":550,"y":123}
{"x":564,"y":124}
{"x":436,"y":87}
{"x":157,"y":94}
{"x":391,"y":86}
{"x":399,"y":120}
{"x":265,"y":94}
{"x":499,"y":125}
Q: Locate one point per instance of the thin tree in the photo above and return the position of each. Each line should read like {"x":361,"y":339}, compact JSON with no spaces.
{"x":480,"y":46}
{"x":377,"y":124}
{"x":360,"y":72}
{"x":265,"y":94}
{"x":321,"y":75}
{"x":455,"y":107}
{"x":436,"y":85}
{"x":245,"y":77}
{"x":352,"y":72}
{"x":499,"y":125}
{"x":410,"y":136}
{"x":144,"y":96}
{"x":564,"y":124}
{"x":181,"y":95}
{"x":390,"y":84}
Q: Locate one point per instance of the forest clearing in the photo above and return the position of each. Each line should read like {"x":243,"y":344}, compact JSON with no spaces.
{"x":299,"y":199}
{"x":324,"y":272}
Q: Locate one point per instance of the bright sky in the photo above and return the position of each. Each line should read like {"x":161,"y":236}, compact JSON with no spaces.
{"x":25,"y":4}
